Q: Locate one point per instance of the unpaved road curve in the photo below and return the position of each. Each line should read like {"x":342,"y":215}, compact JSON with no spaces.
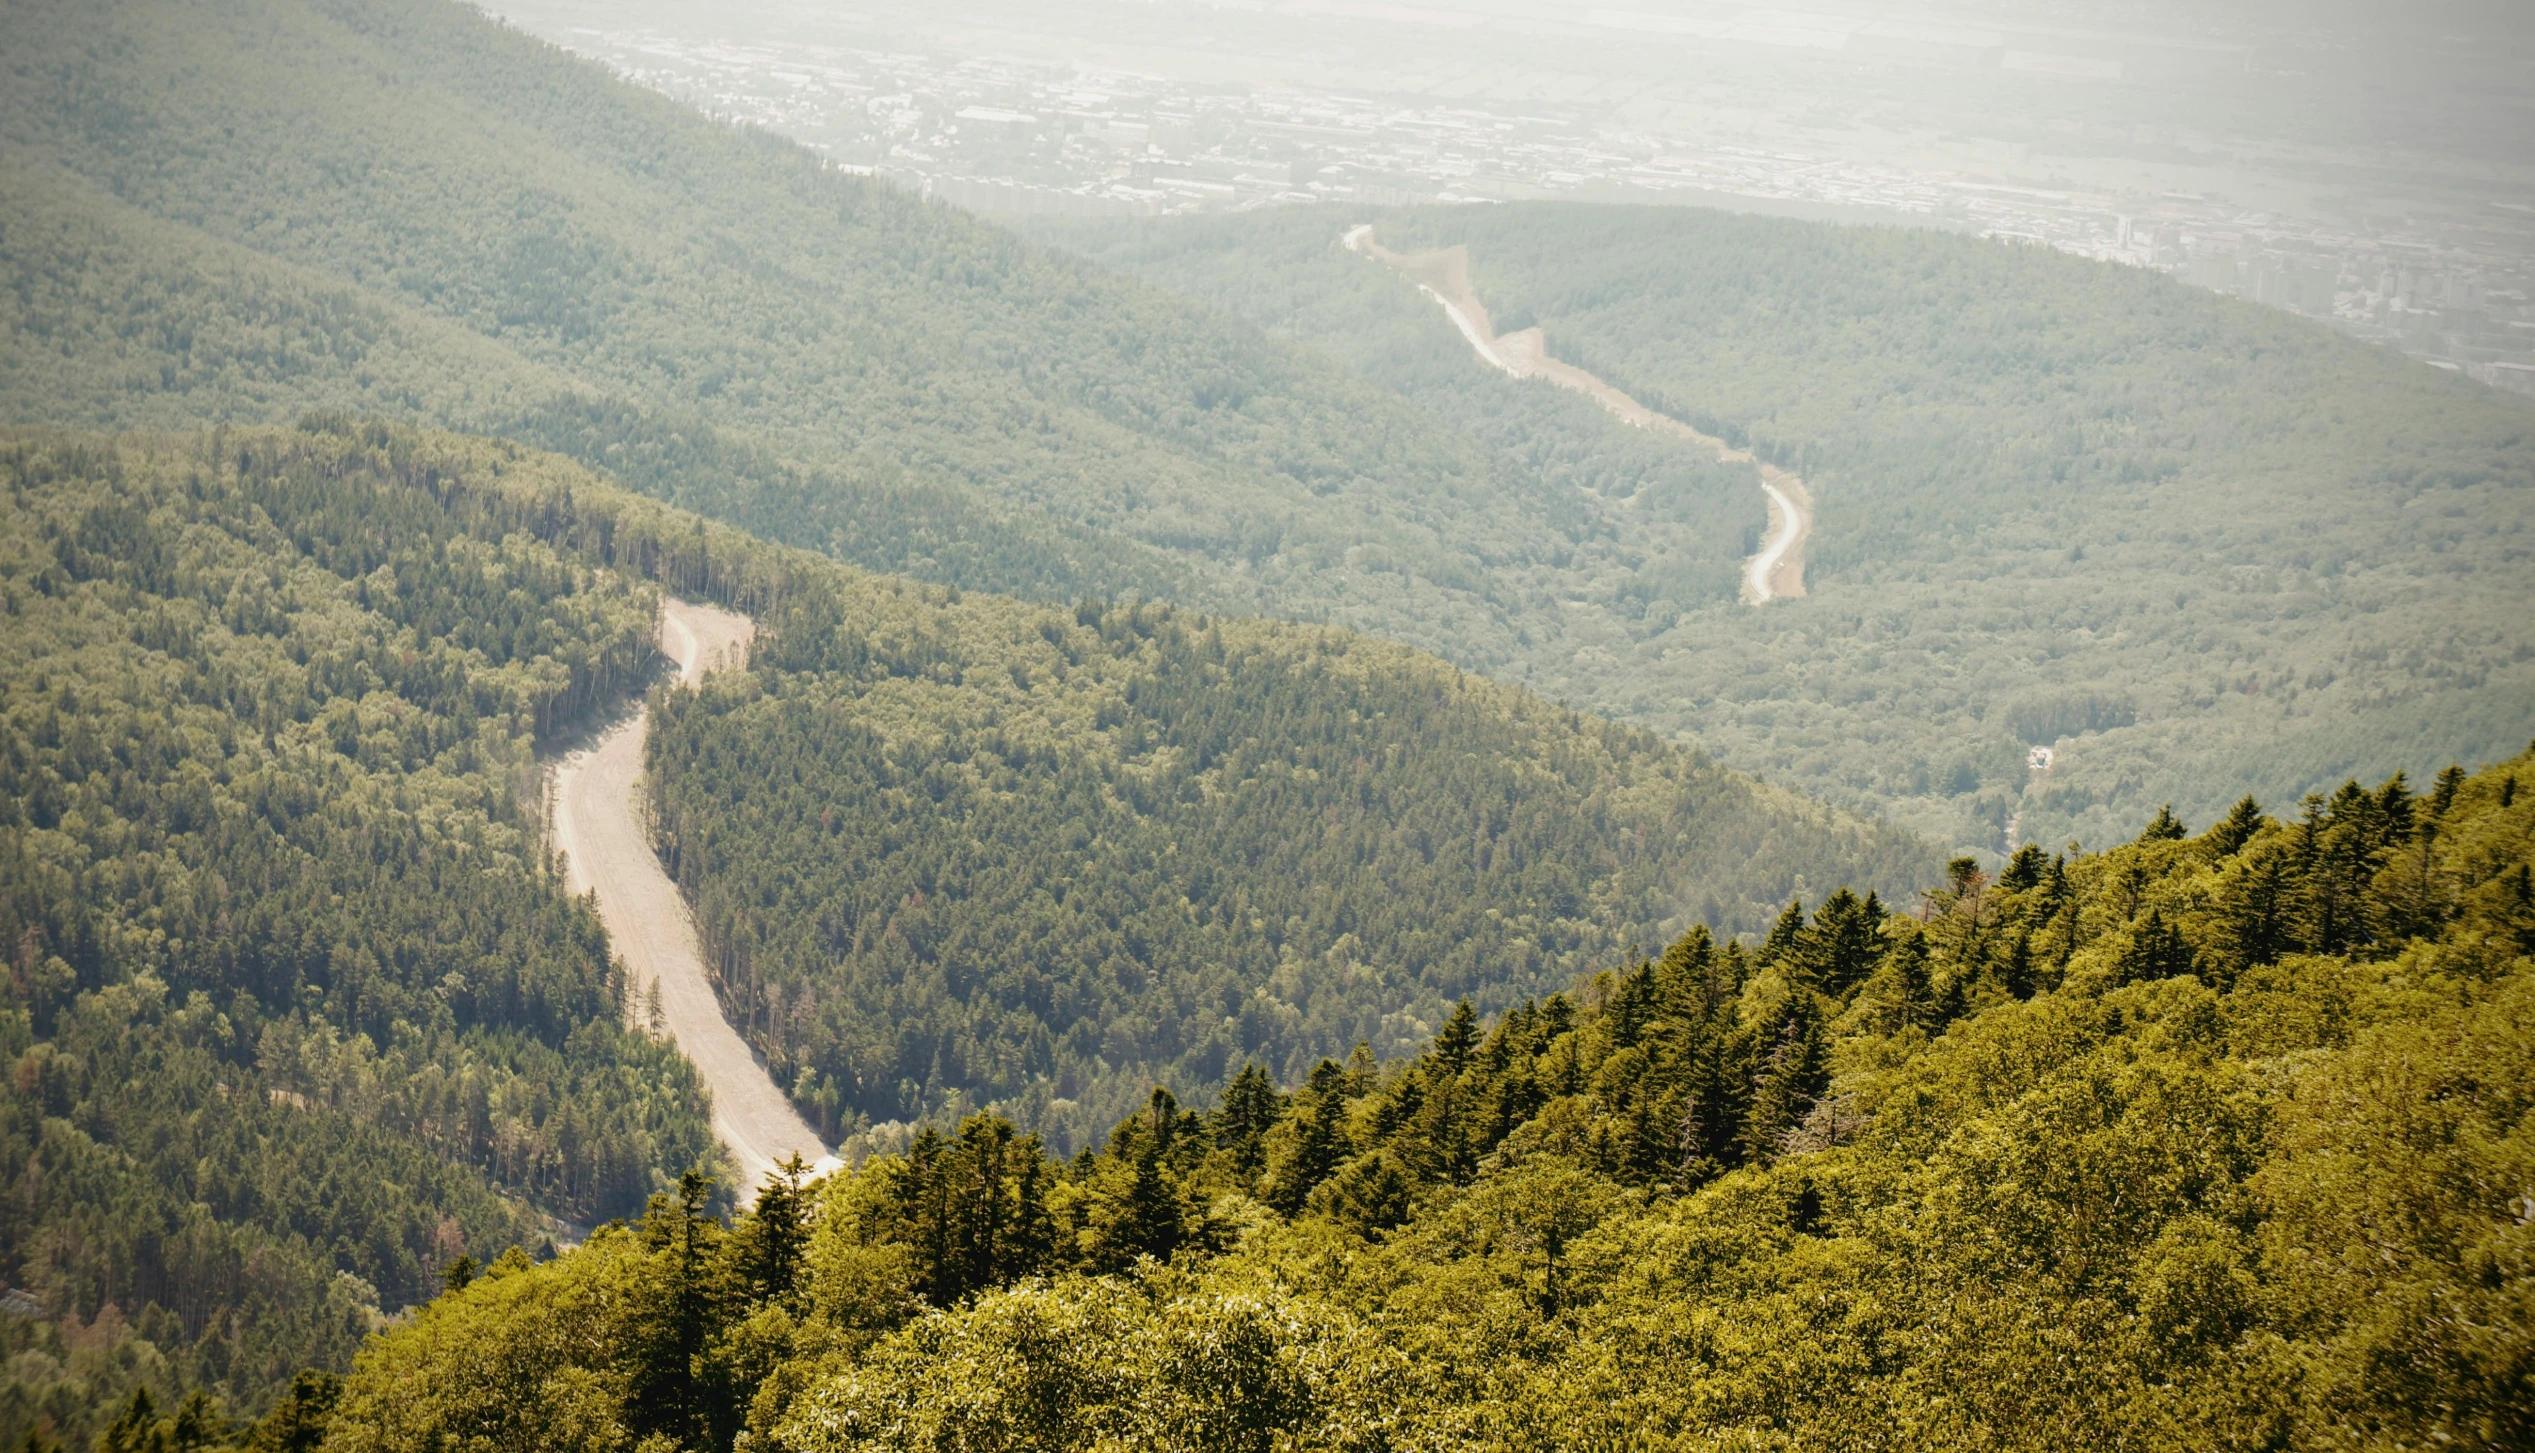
{"x":605,"y":847}
{"x":1776,"y":571}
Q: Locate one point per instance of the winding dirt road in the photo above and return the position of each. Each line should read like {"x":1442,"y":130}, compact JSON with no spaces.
{"x":597,"y":824}
{"x":1776,"y":571}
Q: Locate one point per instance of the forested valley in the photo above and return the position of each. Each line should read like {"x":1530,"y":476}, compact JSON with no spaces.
{"x":300,"y":1017}
{"x":295,"y":1014}
{"x":2197,"y":546}
{"x":2212,"y":1140}
{"x":512,"y":242}
{"x":948,"y":850}
{"x":1311,"y":914}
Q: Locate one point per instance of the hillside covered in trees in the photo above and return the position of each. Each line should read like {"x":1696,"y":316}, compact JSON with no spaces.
{"x":2198,"y":546}
{"x":1048,"y":857}
{"x":299,"y":1015}
{"x":406,"y":209}
{"x":2209,"y":1141}
{"x":295,"y":1014}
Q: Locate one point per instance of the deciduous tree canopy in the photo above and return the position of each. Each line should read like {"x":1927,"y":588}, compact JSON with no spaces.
{"x":1966,"y":1175}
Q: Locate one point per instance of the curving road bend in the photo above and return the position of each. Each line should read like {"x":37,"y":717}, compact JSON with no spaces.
{"x":1775,"y":572}
{"x":599,"y":828}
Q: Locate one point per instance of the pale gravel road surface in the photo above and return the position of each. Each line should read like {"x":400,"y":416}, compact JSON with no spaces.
{"x":605,"y":847}
{"x":1776,"y":571}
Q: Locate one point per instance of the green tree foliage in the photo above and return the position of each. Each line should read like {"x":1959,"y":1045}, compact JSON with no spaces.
{"x":2060,"y":503}
{"x":2202,"y":547}
{"x":303,"y":1028}
{"x":2274,"y":1200}
{"x":1045,"y":858}
{"x":504,"y":239}
{"x":295,"y":1014}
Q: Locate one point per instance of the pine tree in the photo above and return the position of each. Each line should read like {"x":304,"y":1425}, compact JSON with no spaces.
{"x":1837,"y":952}
{"x":139,"y":1428}
{"x":1684,"y":977}
{"x":2166,"y":829}
{"x":683,"y":1237}
{"x":298,"y":1423}
{"x":1453,"y":1043}
{"x":1962,"y":877}
{"x":1151,"y":1222}
{"x":201,"y":1424}
{"x":2253,"y":904}
{"x":2443,"y":794}
{"x":1632,"y":1005}
{"x":2024,"y":870}
{"x":2016,"y":975}
{"x":1322,"y":1142}
{"x":2156,"y":951}
{"x":1789,"y":1078}
{"x":1250,"y":1108}
{"x":776,"y":1232}
{"x":2238,"y":827}
{"x":1784,"y":934}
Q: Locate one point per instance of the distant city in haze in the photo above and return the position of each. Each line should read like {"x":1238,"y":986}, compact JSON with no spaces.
{"x":2352,"y":163}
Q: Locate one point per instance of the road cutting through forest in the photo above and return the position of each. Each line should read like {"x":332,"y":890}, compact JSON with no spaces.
{"x":598,"y":825}
{"x":1774,"y":572}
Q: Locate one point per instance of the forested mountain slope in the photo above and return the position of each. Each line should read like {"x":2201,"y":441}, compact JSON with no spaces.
{"x":2197,"y":546}
{"x":295,"y":1014}
{"x":2204,"y":1142}
{"x":296,"y":996}
{"x":115,"y":317}
{"x":1050,"y":857}
{"x":461,"y":225}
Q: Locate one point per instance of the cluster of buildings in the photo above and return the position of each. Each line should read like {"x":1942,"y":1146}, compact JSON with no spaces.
{"x":1010,"y":136}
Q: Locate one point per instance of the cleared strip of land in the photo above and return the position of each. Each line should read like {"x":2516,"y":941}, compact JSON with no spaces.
{"x":1776,"y":570}
{"x":599,"y":827}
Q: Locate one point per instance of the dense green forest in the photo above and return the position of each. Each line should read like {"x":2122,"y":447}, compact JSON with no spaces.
{"x":407,"y":209}
{"x":300,"y":1018}
{"x":2213,"y":1141}
{"x":1048,"y":857}
{"x":2199,"y":546}
{"x":295,"y":1013}
{"x":1522,"y":1108}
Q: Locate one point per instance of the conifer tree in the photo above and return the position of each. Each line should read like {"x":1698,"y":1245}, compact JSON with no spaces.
{"x":2443,"y":793}
{"x":1321,"y":1141}
{"x":1791,"y":1075}
{"x":2237,"y":828}
{"x":2156,"y":951}
{"x":2016,"y":974}
{"x":1249,"y":1108}
{"x":1839,"y":949}
{"x":771,"y":1240}
{"x":1453,"y":1042}
{"x":2023,"y":871}
{"x":1784,"y":934}
{"x":1912,"y":996}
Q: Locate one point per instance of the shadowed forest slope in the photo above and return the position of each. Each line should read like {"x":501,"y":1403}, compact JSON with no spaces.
{"x":296,"y":1016}
{"x":1050,"y":857}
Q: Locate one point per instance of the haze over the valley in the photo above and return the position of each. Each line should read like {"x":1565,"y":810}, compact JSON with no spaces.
{"x":1279,"y":726}
{"x":2367,"y":162}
